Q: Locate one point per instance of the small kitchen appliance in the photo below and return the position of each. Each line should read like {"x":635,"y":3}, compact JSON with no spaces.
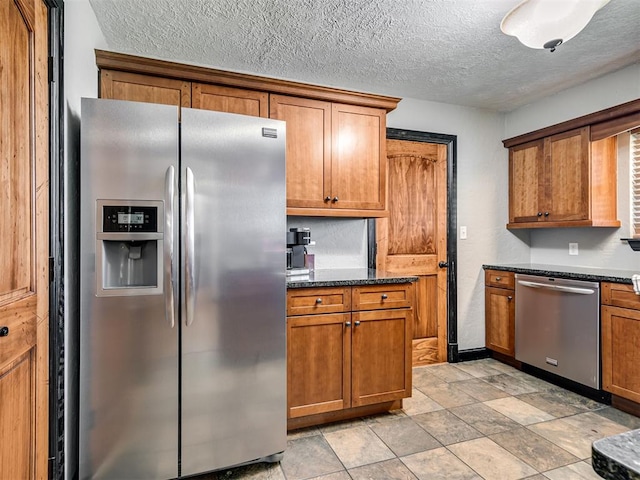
{"x":297,"y":240}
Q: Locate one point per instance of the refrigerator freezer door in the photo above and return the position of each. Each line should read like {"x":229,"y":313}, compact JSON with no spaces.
{"x":233,"y":344}
{"x":128,"y":348}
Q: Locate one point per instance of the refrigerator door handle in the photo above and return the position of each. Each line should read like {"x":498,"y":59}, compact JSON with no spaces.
{"x":169,"y":295}
{"x":189,"y":287}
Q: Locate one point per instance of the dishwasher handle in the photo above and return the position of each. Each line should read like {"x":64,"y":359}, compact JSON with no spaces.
{"x":558,"y":288}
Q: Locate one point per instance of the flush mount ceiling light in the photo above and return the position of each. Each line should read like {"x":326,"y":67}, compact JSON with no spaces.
{"x":548,"y":23}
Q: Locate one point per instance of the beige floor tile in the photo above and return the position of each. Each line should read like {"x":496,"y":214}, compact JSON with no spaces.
{"x":358,"y":446}
{"x":334,"y":476}
{"x":481,"y":390}
{"x":594,"y":426}
{"x":309,"y":457}
{"x":510,"y":384}
{"x":258,"y":471}
{"x":490,"y":460}
{"x":439,"y":464}
{"x":446,"y":427}
{"x":519,"y":411}
{"x":404,"y":436}
{"x":334,"y":427}
{"x":478,"y":368}
{"x":388,"y":470}
{"x":419,"y":403}
{"x":534,"y":450}
{"x":618,"y":416}
{"x":448,"y":372}
{"x":303,"y":432}
{"x":484,"y":419}
{"x":575,"y":471}
{"x":423,"y":377}
{"x":565,"y":436}
{"x":496,"y":365}
{"x":448,"y":395}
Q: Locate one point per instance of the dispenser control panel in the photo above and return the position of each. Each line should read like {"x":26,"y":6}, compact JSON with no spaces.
{"x":128,"y":218}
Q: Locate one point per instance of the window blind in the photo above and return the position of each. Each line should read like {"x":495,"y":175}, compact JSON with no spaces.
{"x":635,"y":182}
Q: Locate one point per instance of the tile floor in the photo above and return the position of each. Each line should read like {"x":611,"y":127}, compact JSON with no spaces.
{"x":472,"y":420}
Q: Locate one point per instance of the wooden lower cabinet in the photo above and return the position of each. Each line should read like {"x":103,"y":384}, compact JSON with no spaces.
{"x":500,"y":312}
{"x":340,"y":362}
{"x":620,"y":341}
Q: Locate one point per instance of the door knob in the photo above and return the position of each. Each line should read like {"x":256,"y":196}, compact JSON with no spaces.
{"x":327,"y":199}
{"x":443,"y":264}
{"x":335,"y":199}
{"x":4,"y":331}
{"x":384,"y":296}
{"x":357,"y":323}
{"x":546,"y":214}
{"x":318,"y":300}
{"x":347,"y":324}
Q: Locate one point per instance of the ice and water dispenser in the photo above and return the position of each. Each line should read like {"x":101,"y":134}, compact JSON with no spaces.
{"x":129,"y":247}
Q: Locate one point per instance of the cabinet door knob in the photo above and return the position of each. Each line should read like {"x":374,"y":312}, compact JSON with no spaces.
{"x":539,"y":214}
{"x":347,"y":324}
{"x":357,"y":323}
{"x":384,"y":296}
{"x":335,"y":199}
{"x":498,"y":279}
{"x":546,"y":214}
{"x":509,"y":298}
{"x":318,"y":300}
{"x":4,"y":331}
{"x":327,"y":199}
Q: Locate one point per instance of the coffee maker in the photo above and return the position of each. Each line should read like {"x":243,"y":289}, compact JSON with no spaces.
{"x":297,"y":240}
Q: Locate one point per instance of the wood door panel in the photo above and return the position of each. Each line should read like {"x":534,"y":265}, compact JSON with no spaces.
{"x":412,"y":241}
{"x":308,"y":149}
{"x":230,"y":100}
{"x":16,"y":419}
{"x":144,"y":88}
{"x":357,"y":153}
{"x":525,"y":181}
{"x":499,"y":320}
{"x":620,"y":352}
{"x":567,"y":176}
{"x":24,"y":220}
{"x":380,"y":356}
{"x":15,"y":149}
{"x":318,"y":353}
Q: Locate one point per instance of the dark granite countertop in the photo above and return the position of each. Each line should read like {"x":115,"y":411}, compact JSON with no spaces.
{"x":345,"y":277}
{"x":563,"y":271}
{"x":617,"y":457}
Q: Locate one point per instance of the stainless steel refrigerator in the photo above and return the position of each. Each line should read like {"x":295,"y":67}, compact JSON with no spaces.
{"x":182,"y":274}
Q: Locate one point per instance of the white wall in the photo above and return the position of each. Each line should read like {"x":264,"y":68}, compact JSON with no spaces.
{"x":482,"y":198}
{"x":81,"y":35}
{"x":598,"y":247}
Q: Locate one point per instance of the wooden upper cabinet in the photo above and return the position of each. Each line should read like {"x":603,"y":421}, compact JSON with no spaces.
{"x":336,"y":163}
{"x":563,"y":180}
{"x":134,"y":87}
{"x":230,"y":100}
{"x":308,"y":149}
{"x":358,"y":158}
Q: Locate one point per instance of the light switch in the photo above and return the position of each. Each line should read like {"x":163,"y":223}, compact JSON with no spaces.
{"x":573,"y":249}
{"x":463,"y":233}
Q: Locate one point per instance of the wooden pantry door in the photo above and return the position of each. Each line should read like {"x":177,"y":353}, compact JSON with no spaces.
{"x":24,"y":238}
{"x":413,"y":239}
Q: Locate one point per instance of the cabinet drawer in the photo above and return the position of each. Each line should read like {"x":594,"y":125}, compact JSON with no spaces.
{"x":309,"y":301}
{"x":499,"y":279}
{"x":375,"y":297}
{"x":619,"y":295}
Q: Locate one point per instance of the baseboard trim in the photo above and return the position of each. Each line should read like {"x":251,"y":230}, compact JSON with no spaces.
{"x":473,"y":354}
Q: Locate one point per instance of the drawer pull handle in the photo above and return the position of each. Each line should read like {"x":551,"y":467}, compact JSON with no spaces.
{"x":384,"y":296}
{"x":318,"y":300}
{"x":509,"y":298}
{"x":357,"y":322}
{"x":4,"y":331}
{"x":498,"y":279}
{"x":347,"y":324}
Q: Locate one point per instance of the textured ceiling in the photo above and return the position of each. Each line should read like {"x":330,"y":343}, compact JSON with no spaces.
{"x":448,"y":51}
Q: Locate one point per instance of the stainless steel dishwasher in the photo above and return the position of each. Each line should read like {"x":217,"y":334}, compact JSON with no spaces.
{"x":558,"y":327}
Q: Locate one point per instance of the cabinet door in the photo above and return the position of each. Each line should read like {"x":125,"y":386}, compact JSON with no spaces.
{"x":318,"y":364}
{"x":500,"y":310}
{"x":358,"y":157}
{"x":620,"y":352}
{"x":526,"y":182}
{"x":308,"y":149}
{"x":381,"y":356}
{"x":230,"y":100}
{"x":567,"y":176}
{"x":144,"y":88}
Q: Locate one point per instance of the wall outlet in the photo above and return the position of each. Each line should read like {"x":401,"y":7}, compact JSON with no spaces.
{"x":463,"y":233}
{"x":573,"y":249}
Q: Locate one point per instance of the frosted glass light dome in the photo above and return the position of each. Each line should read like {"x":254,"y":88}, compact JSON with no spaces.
{"x":548,"y":23}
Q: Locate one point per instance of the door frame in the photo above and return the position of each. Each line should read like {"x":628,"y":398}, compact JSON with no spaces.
{"x":451,"y":142}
